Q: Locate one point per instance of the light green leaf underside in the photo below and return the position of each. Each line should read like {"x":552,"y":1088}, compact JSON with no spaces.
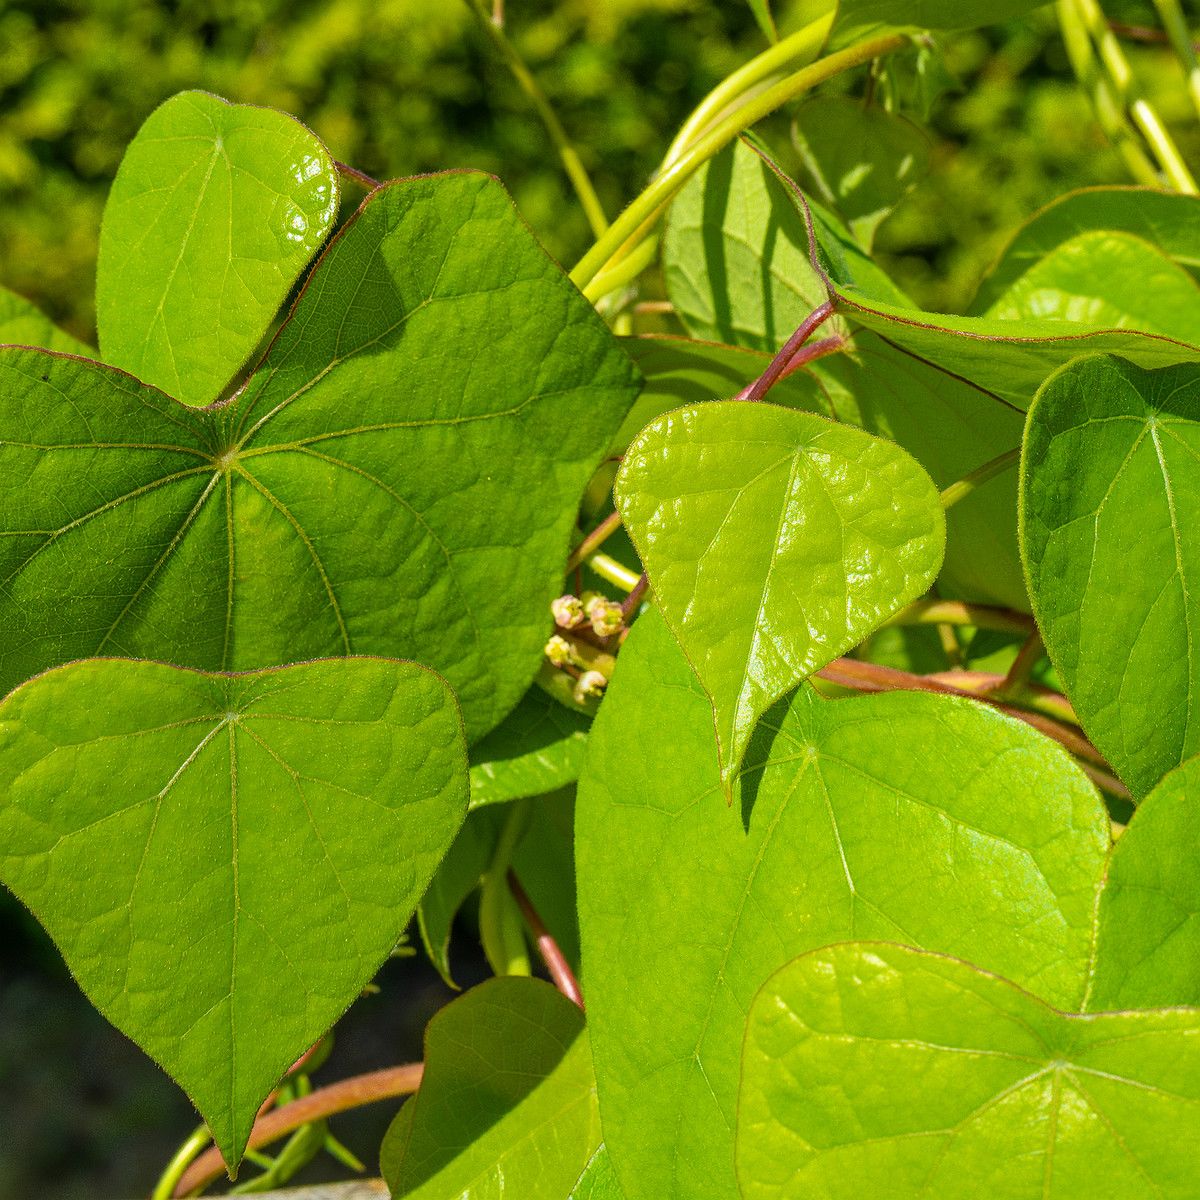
{"x":861,"y":161}
{"x":507,"y":1108}
{"x":598,"y":1181}
{"x":215,"y":211}
{"x":399,"y":477}
{"x":22,"y":324}
{"x":876,"y":1070}
{"x":1109,"y":281}
{"x":1148,"y":922}
{"x":1110,"y":505}
{"x":774,"y":540}
{"x":982,"y":839}
{"x":1167,"y":220}
{"x":226,"y":860}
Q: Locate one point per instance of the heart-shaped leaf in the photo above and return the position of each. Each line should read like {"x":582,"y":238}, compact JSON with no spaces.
{"x":982,"y":839}
{"x":1169,"y":221}
{"x":508,"y":1102}
{"x":876,"y":1070}
{"x":598,"y":1181}
{"x":1148,"y":921}
{"x":774,"y":540}
{"x":226,"y":860}
{"x":22,"y":324}
{"x":1110,"y":502}
{"x":215,"y":211}
{"x":399,"y":477}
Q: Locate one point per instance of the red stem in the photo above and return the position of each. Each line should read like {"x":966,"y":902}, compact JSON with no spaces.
{"x":359,"y":177}
{"x":595,"y":539}
{"x":552,"y":956}
{"x":778,"y":366}
{"x":630,"y":604}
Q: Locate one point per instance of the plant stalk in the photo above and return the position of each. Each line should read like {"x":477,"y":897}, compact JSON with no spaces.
{"x":955,"y":612}
{"x":978,"y":477}
{"x":548,"y":948}
{"x":1170,"y":12}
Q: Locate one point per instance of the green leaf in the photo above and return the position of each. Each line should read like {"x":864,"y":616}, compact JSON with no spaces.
{"x":982,"y":839}
{"x":876,"y":1070}
{"x":215,"y":211}
{"x":399,"y":477}
{"x":861,"y":161}
{"x":1148,"y":922}
{"x":264,"y":845}
{"x":858,"y":20}
{"x":537,"y":748}
{"x":598,"y":1181}
{"x":736,"y":255}
{"x":774,"y":541}
{"x":22,"y":324}
{"x":1110,"y":499}
{"x":1108,"y":280}
{"x":762,"y":14}
{"x":1169,"y":221}
{"x":508,"y":1102}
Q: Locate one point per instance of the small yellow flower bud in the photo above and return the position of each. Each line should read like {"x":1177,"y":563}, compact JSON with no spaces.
{"x":568,"y":612}
{"x":591,"y":683}
{"x":558,"y":651}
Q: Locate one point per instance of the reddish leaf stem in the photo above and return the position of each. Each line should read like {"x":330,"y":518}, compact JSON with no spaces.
{"x":630,"y":604}
{"x":359,"y":177}
{"x":348,"y":1093}
{"x":780,"y":364}
{"x":552,"y":956}
{"x":594,"y":540}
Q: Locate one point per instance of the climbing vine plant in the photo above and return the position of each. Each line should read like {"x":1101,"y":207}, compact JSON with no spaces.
{"x":813,"y":689}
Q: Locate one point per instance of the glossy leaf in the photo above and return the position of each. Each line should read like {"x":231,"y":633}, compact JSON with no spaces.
{"x":1108,"y":280}
{"x":1168,"y":221}
{"x":399,"y":477}
{"x":876,"y":1070}
{"x":860,"y":19}
{"x":1110,"y":501}
{"x":226,"y":860}
{"x":736,"y":255}
{"x":537,"y":748}
{"x":598,"y":1181}
{"x":861,"y":161}
{"x":508,"y":1103}
{"x":981,"y":838}
{"x":1148,"y":922}
{"x":22,"y":324}
{"x":215,"y":211}
{"x":774,"y":541}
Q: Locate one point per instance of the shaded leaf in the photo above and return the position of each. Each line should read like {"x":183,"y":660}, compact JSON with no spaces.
{"x":508,"y":1102}
{"x":1110,"y":500}
{"x":266,"y":842}
{"x":215,"y":211}
{"x":762,"y":14}
{"x":861,"y":161}
{"x":982,"y":839}
{"x":774,"y":541}
{"x":23,"y":324}
{"x":860,"y":19}
{"x":399,"y":477}
{"x":875,"y":1070}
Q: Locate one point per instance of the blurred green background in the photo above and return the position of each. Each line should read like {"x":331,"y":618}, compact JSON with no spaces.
{"x":397,"y":87}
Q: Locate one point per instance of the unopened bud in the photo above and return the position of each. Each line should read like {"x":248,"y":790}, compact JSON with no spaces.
{"x":568,"y":612}
{"x":591,"y":683}
{"x":558,"y":651}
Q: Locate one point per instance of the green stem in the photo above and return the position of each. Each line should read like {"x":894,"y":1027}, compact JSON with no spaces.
{"x":572,"y":163}
{"x":614,"y":572}
{"x":501,"y":927}
{"x":802,"y":45}
{"x":645,"y":209}
{"x":1018,"y":674}
{"x":593,"y":541}
{"x":165,"y":1187}
{"x":978,"y":477}
{"x":623,"y":270}
{"x":1171,"y":14}
{"x":955,"y":612}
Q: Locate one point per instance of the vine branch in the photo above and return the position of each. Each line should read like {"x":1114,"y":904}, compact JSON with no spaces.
{"x":552,"y":956}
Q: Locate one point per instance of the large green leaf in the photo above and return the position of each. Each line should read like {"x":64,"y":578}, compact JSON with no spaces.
{"x":981,"y":839}
{"x":861,"y":161}
{"x":1109,"y":280}
{"x":876,"y":1070}
{"x":508,"y":1103}
{"x":226,"y":860}
{"x":1148,"y":922}
{"x":215,"y":211}
{"x":399,"y":477}
{"x":1110,"y":502}
{"x":860,"y":19}
{"x":22,"y":324}
{"x":1169,"y":221}
{"x":774,"y":541}
{"x":598,"y":1181}
{"x":736,"y":255}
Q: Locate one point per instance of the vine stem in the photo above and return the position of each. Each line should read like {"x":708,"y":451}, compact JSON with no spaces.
{"x":1171,"y":15}
{"x":174,"y":1171}
{"x":978,"y":477}
{"x":552,"y":956}
{"x":572,"y":163}
{"x":593,"y":541}
{"x":632,"y":602}
{"x":359,"y":177}
{"x":645,"y":209}
{"x":956,"y":612}
{"x":500,"y":927}
{"x":781,"y":364}
{"x":324,"y":1102}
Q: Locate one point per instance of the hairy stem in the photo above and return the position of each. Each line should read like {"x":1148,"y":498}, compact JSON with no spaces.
{"x":552,"y":956}
{"x":359,"y":177}
{"x":978,"y":477}
{"x":778,"y":366}
{"x":324,"y":1102}
{"x":572,"y":163}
